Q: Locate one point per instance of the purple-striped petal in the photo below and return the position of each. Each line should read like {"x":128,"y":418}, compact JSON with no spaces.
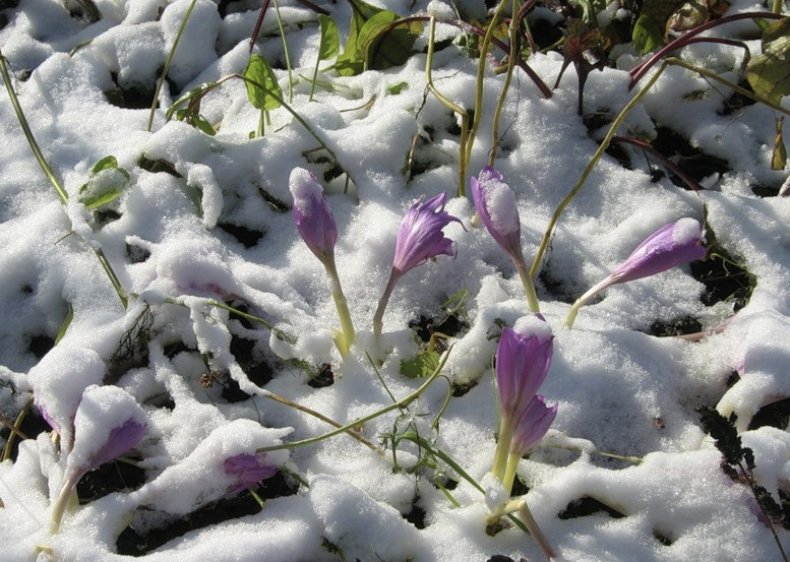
{"x":420,"y":236}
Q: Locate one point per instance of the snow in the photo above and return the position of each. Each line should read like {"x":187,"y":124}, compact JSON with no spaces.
{"x":620,"y":390}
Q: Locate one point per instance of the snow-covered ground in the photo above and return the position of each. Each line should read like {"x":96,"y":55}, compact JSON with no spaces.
{"x":176,"y":242}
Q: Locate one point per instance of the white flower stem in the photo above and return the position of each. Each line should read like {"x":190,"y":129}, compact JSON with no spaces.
{"x":529,"y":287}
{"x":571,"y":317}
{"x":345,"y":340}
{"x":62,"y":502}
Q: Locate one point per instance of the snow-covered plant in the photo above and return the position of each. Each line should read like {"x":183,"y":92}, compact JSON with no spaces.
{"x":108,"y":423}
{"x":523,"y":357}
{"x":248,"y":470}
{"x":672,"y":244}
{"x":496,"y":204}
{"x":420,"y":238}
{"x":316,"y":225}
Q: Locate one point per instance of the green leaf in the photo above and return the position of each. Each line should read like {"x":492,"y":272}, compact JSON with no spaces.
{"x":105,"y":163}
{"x":263,"y":82}
{"x":106,"y":182}
{"x":349,"y":62}
{"x":330,"y":38}
{"x":385,"y":46}
{"x":396,"y":89}
{"x":423,"y":365}
{"x":647,"y":34}
{"x":769,"y":73}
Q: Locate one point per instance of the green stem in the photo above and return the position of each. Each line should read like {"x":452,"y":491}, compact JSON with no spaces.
{"x":529,"y":286}
{"x":544,"y":243}
{"x":510,"y":471}
{"x":15,"y":430}
{"x":463,"y":142}
{"x":296,"y":406}
{"x":502,"y":448}
{"x":168,"y":62}
{"x":268,"y":325}
{"x":31,"y":140}
{"x":402,"y":403}
{"x":346,"y":339}
{"x":285,"y":51}
{"x":511,"y":65}
{"x":481,"y":69}
{"x":378,"y":317}
{"x":116,"y":283}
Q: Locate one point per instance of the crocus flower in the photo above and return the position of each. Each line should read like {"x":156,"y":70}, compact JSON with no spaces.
{"x":672,"y":244}
{"x":522,"y":361}
{"x":420,"y":238}
{"x":316,"y":225}
{"x":312,"y":215}
{"x":247,"y":470}
{"x":108,"y":423}
{"x":496,"y":205}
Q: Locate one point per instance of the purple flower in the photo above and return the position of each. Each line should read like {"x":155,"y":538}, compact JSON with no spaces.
{"x":420,"y":235}
{"x":496,"y":204}
{"x":672,"y":244}
{"x":532,"y":425}
{"x":108,"y":423}
{"x":247,"y":470}
{"x":312,"y":214}
{"x":122,"y":438}
{"x":523,"y":357}
{"x":420,"y":238}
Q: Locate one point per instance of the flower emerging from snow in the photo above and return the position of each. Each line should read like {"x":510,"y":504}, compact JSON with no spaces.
{"x":247,"y":470}
{"x":312,"y":215}
{"x":672,"y":244}
{"x":420,"y":235}
{"x":316,"y":226}
{"x":522,"y":361}
{"x":108,"y":423}
{"x":420,"y":238}
{"x":496,"y":205}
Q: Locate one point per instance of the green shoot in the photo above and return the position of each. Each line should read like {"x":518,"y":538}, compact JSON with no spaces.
{"x":168,"y":62}
{"x":327,"y":48}
{"x":262,"y":82}
{"x":455,"y":108}
{"x":285,"y":51}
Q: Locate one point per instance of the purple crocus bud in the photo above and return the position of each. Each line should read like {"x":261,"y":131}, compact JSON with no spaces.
{"x":523,"y":357}
{"x":532,"y":425}
{"x":312,"y":214}
{"x":108,"y":423}
{"x":420,"y":235}
{"x":496,"y":204}
{"x":248,"y":470}
{"x":672,"y":244}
